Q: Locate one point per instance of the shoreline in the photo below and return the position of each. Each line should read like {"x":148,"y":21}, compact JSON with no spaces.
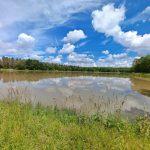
{"x":142,"y":76}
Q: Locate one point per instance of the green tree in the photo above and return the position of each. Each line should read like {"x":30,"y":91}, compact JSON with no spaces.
{"x":142,"y":64}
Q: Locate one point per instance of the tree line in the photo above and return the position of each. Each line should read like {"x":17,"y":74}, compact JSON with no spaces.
{"x":139,"y":65}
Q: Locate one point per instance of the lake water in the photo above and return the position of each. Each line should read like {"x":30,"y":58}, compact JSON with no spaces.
{"x":86,"y":93}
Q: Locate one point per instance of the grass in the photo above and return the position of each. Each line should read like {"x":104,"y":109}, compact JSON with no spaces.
{"x":145,"y":76}
{"x":27,"y":127}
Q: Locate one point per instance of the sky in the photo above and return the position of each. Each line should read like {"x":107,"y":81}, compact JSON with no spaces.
{"x":76,"y":32}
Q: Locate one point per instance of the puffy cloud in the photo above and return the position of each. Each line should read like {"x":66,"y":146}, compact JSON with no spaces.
{"x":112,"y":56}
{"x":25,"y":41}
{"x":67,"y":49}
{"x":134,"y":42}
{"x":23,"y":37}
{"x":23,"y":47}
{"x":51,"y":50}
{"x":116,"y":63}
{"x":116,"y":60}
{"x":108,"y":21}
{"x":106,"y":52}
{"x":52,"y":59}
{"x":80,"y":60}
{"x":74,"y":36}
{"x":57,"y":59}
{"x":121,"y":55}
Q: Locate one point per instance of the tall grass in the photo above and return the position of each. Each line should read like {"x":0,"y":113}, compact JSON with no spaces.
{"x":24,"y":127}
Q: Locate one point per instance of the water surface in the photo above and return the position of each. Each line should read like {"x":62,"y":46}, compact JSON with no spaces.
{"x":86,"y":93}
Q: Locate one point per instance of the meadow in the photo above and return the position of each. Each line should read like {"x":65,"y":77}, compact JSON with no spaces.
{"x":24,"y":126}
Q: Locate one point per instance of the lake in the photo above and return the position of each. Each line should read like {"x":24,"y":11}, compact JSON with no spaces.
{"x":84,"y":92}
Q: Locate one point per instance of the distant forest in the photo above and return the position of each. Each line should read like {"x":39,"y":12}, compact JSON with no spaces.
{"x":139,"y":65}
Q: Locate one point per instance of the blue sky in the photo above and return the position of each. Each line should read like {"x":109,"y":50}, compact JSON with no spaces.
{"x":82,"y":32}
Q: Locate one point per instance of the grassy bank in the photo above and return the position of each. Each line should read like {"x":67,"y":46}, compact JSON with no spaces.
{"x":23,"y":126}
{"x":141,"y":75}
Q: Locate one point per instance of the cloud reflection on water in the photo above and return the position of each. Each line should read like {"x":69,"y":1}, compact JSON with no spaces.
{"x":85,"y":94}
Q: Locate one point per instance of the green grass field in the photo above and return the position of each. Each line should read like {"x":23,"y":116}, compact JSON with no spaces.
{"x":24,"y":127}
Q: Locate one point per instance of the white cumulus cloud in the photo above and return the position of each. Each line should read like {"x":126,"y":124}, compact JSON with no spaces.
{"x":76,"y":59}
{"x":108,"y":19}
{"x":106,"y":52}
{"x":25,"y":41}
{"x":121,"y":55}
{"x":52,"y":59}
{"x":23,"y":47}
{"x":74,"y":36}
{"x":116,"y":60}
{"x":67,"y":49}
